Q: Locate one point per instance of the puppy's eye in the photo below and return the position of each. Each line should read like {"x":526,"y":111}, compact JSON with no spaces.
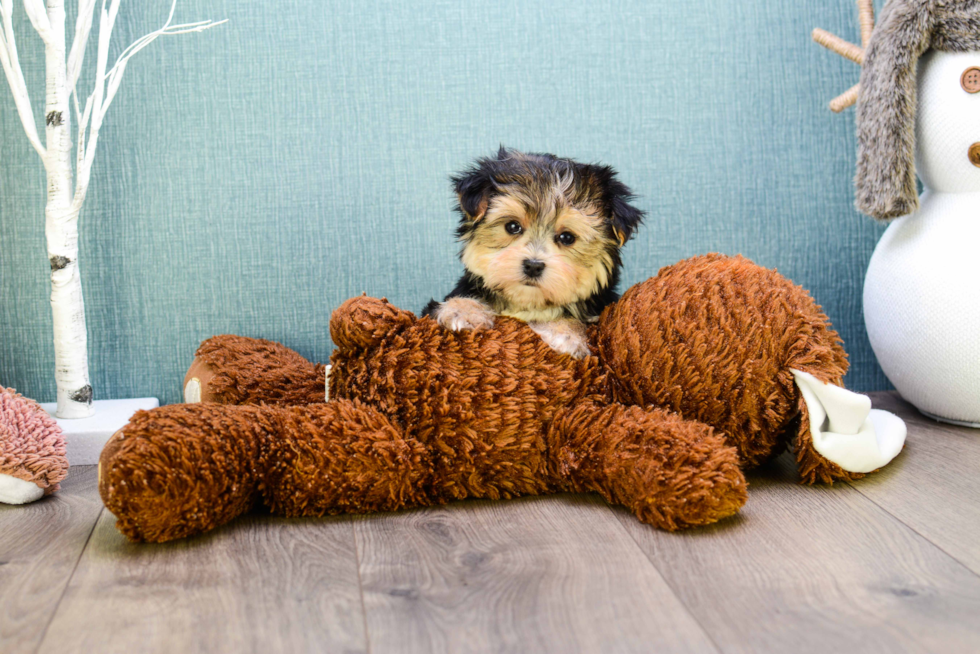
{"x":565,"y":238}
{"x":514,"y":228}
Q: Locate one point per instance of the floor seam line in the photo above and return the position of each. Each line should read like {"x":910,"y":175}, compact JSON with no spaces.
{"x":914,"y":530}
{"x":360,"y":587}
{"x":667,"y":583}
{"x":54,"y":613}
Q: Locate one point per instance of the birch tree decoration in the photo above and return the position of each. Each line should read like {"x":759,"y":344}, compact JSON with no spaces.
{"x":67,"y":188}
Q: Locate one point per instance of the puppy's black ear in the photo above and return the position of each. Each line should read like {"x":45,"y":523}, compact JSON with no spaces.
{"x":624,"y":218}
{"x":473,"y":188}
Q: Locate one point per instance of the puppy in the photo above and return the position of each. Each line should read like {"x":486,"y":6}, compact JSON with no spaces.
{"x":541,"y":238}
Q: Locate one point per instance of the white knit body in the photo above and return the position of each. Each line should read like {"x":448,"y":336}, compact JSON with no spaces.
{"x":922,"y":290}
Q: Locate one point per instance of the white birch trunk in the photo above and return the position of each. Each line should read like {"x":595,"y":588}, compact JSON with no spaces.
{"x":61,"y":230}
{"x":66,"y":190}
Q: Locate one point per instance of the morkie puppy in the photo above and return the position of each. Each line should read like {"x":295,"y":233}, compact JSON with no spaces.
{"x":541,"y":238}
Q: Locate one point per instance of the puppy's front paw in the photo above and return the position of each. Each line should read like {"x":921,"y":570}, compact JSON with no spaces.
{"x":459,"y":313}
{"x":565,"y":336}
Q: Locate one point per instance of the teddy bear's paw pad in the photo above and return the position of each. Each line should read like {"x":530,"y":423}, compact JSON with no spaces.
{"x":18,"y":491}
{"x":846,"y":430}
{"x":192,"y":391}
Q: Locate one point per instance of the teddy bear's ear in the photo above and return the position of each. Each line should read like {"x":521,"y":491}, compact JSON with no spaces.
{"x":363,"y":322}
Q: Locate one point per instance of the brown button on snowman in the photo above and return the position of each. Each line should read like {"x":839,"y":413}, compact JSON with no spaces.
{"x":971,"y":80}
{"x":974,"y":154}
{"x":919,"y":113}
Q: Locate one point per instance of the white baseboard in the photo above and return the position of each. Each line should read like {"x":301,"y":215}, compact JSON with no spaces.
{"x":85,"y":437}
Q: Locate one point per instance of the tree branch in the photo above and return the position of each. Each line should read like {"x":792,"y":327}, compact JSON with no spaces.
{"x":866,"y":17}
{"x":80,"y":149}
{"x":84,"y":168}
{"x":38,"y":14}
{"x":116,"y":72}
{"x":15,"y":76}
{"x":107,"y":82}
{"x":83,"y":27}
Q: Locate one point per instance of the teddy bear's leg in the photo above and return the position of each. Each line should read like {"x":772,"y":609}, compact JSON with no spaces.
{"x":840,"y":436}
{"x":238,"y":370}
{"x":343,"y":457}
{"x":670,"y":472}
{"x":182,"y":469}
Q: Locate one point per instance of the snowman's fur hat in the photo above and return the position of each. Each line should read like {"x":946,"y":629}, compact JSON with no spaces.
{"x":885,"y":180}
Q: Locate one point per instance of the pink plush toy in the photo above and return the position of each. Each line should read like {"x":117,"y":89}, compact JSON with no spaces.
{"x":32,"y":450}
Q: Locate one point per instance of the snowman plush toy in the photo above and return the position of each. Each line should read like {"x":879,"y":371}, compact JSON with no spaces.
{"x":918,"y":114}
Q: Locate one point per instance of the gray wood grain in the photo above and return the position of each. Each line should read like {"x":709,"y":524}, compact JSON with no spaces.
{"x":816,"y":569}
{"x":39,"y":546}
{"x":546,"y":574}
{"x":261,"y":584}
{"x":934,"y":486}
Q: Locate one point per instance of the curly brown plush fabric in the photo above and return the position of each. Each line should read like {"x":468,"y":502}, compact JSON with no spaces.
{"x":236,"y":370}
{"x":688,"y":385}
{"x":650,"y":461}
{"x":714,"y":338}
{"x":480,"y":400}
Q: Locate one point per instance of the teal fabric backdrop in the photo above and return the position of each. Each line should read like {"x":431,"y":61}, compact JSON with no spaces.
{"x":252,"y":177}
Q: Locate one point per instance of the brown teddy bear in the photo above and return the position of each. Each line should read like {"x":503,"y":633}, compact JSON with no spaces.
{"x":690,"y":381}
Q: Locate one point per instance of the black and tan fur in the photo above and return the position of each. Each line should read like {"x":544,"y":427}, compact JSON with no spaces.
{"x":541,"y":238}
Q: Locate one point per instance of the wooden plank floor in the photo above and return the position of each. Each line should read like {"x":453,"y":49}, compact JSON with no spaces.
{"x":890,"y":563}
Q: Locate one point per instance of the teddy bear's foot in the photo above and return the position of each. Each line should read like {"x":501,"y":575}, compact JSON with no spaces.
{"x":670,"y":472}
{"x":238,"y":370}
{"x":842,"y":437}
{"x":181,"y":470}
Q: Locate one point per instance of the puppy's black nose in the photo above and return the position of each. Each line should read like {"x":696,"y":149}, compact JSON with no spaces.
{"x":533,"y":268}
